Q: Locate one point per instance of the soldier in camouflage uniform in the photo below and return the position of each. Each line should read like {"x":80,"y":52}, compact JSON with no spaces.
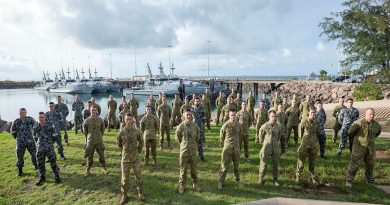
{"x":152,"y":101}
{"x":186,"y":106}
{"x":44,"y":134}
{"x":230,"y":135}
{"x":122,"y":115}
{"x":93,"y":131}
{"x":321,"y":118}
{"x":238,"y":102}
{"x":335,"y":114}
{"x":164,"y":112}
{"x":207,"y":109}
{"x":219,"y":103}
{"x":267,"y":104}
{"x":149,"y":128}
{"x":199,"y":118}
{"x":111,"y":105}
{"x":261,"y":116}
{"x":207,"y":94}
{"x":98,"y":108}
{"x":130,"y":141}
{"x":188,"y":136}
{"x":309,"y":129}
{"x":245,"y":120}
{"x":225,"y":110}
{"x":87,"y":112}
{"x":297,"y":101}
{"x":363,"y":131}
{"x":63,"y":109}
{"x":78,"y":107}
{"x":269,"y":135}
{"x":250,"y":100}
{"x":21,"y":131}
{"x":55,"y":118}
{"x":233,"y":94}
{"x":133,"y":105}
{"x":120,"y":108}
{"x":292,"y":122}
{"x":305,"y":106}
{"x":158,"y":102}
{"x":176,"y":105}
{"x":276,"y":101}
{"x":282,"y":120}
{"x":346,"y":117}
{"x":151,"y":104}
{"x":285,"y":104}
{"x":192,"y":101}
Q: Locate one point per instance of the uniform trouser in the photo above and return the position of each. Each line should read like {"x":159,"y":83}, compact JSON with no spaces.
{"x":65,"y":129}
{"x":227,"y":156}
{"x":150,"y":143}
{"x":336,"y":129}
{"x":208,"y":117}
{"x":200,"y":142}
{"x":78,"y":123}
{"x":252,"y":112}
{"x":58,"y":139}
{"x":176,"y":118}
{"x":245,"y":139}
{"x":165,"y":129}
{"x":111,"y":120}
{"x":258,"y":125}
{"x":264,"y":157}
{"x":295,"y":129}
{"x":21,"y":146}
{"x":344,"y":137}
{"x":360,"y":154}
{"x":42,"y":153}
{"x":90,"y":150}
{"x":125,"y":181}
{"x":184,"y":161}
{"x":218,"y":115}
{"x":303,"y":153}
{"x":322,"y":142}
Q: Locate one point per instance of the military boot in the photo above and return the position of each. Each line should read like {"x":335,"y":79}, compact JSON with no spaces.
{"x":57,"y":178}
{"x":105,"y":171}
{"x":195,"y":187}
{"x":40,"y":181}
{"x":20,"y":172}
{"x":88,"y":171}
{"x":63,"y":157}
{"x":181,"y":188}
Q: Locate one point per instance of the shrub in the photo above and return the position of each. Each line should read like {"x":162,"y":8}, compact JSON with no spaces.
{"x":367,"y":91}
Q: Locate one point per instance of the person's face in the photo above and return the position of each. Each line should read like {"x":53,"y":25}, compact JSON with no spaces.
{"x":319,"y":106}
{"x":230,"y":100}
{"x":261,"y":104}
{"x":51,"y":106}
{"x":232,"y":116}
{"x":148,"y":111}
{"x":280,"y":108}
{"x":123,"y":99}
{"x":293,"y":103}
{"x":164,"y":99}
{"x":273,"y":117}
{"x":370,"y":114}
{"x":111,"y":98}
{"x":349,"y":103}
{"x":59,"y":100}
{"x":276,"y":93}
{"x":41,"y":118}
{"x":197,"y":102}
{"x":186,"y":101}
{"x":187,"y":117}
{"x":341,"y":101}
{"x":93,"y":111}
{"x":77,"y":97}
{"x":22,"y":113}
{"x":284,"y":100}
{"x":250,"y":93}
{"x":129,"y":121}
{"x":220,"y":94}
{"x":307,"y":97}
{"x":311,"y":114}
{"x":244,"y":106}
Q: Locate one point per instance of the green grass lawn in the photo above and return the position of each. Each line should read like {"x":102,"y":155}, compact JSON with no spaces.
{"x":160,"y":182}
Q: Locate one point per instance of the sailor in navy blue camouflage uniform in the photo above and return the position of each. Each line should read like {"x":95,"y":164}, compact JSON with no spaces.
{"x":63,"y":109}
{"x":55,"y":118}
{"x":44,"y":134}
{"x":22,"y":131}
{"x":346,"y":117}
{"x":78,"y":107}
{"x":321,"y":118}
{"x":199,"y":118}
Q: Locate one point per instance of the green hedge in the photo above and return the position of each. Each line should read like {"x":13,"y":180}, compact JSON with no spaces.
{"x":367,"y":91}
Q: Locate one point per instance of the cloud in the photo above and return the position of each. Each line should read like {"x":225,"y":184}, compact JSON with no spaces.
{"x":286,"y":53}
{"x":320,"y":46}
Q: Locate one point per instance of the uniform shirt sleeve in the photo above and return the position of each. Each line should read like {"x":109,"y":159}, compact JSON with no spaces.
{"x":178,"y":134}
{"x":222,"y":134}
{"x":353,"y":129}
{"x":140,"y":141}
{"x":119,"y":139}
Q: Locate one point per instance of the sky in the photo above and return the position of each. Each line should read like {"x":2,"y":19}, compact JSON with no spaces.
{"x":248,"y":37}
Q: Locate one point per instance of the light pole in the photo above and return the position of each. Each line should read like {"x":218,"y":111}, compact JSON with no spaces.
{"x":169,"y":50}
{"x":135,"y":61}
{"x":208,"y":58}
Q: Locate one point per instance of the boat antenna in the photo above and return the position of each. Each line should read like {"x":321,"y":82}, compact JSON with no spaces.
{"x":95,"y":73}
{"x":68,"y":74}
{"x":149,"y":70}
{"x":82,"y":72}
{"x":161,"y":68}
{"x":172,"y":70}
{"x":47,"y":74}
{"x":77,"y":75}
{"x":90,"y":75}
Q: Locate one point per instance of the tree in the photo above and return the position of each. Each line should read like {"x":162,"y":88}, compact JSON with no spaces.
{"x":363,"y":34}
{"x":323,"y":74}
{"x":345,"y":71}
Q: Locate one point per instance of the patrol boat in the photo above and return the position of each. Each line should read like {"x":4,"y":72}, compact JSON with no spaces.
{"x":46,"y":84}
{"x":69,"y":85}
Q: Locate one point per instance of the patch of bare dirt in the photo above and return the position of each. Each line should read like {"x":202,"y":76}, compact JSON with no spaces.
{"x":382,"y":154}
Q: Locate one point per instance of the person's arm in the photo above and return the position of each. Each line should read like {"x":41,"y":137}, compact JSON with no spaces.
{"x":119,"y":140}
{"x":142,"y":124}
{"x":140,"y":142}
{"x":178,"y":135}
{"x":301,"y":129}
{"x":261,"y":134}
{"x":222,"y":134}
{"x":14,"y":129}
{"x":353,"y":129}
{"x":85,"y":126}
{"x":66,"y":110}
{"x":379,"y":131}
{"x":341,"y":116}
{"x":102,"y":127}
